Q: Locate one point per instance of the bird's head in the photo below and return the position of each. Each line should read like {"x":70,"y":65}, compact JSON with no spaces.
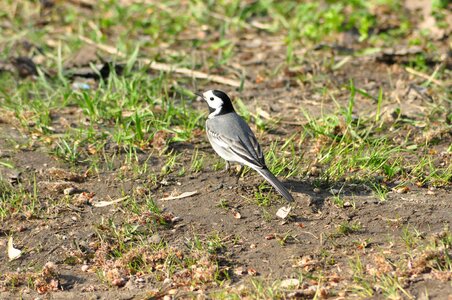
{"x":218,"y":101}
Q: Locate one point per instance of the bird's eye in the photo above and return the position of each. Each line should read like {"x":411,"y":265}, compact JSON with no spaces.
{"x":211,"y":98}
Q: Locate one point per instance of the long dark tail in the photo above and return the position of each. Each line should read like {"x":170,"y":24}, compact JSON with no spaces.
{"x":275,"y":183}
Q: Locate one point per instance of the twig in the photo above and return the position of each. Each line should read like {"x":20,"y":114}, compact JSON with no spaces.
{"x":166,"y":67}
{"x":107,"y":203}
{"x":181,"y":196}
{"x":307,"y":232}
{"x":425,"y":76}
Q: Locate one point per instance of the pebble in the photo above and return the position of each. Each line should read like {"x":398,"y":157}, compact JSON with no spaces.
{"x":70,"y":191}
{"x":334,"y":191}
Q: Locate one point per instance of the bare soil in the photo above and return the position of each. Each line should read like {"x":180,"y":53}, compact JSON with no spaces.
{"x":258,"y":242}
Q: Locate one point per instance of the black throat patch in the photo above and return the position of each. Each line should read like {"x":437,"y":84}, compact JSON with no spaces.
{"x":227,"y":103}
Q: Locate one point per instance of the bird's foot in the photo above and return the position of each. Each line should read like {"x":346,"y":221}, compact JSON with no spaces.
{"x":239,"y":173}
{"x":227,"y":168}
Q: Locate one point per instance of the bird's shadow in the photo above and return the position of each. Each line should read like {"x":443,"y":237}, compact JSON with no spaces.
{"x":319,"y":193}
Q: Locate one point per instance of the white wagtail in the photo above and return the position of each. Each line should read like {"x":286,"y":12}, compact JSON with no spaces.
{"x":232,"y":138}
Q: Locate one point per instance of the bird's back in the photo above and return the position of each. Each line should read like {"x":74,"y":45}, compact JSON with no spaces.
{"x":234,"y":128}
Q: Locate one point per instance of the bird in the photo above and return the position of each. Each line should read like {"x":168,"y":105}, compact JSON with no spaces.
{"x":233,"y":140}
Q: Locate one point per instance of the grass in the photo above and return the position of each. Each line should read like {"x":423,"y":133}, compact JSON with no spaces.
{"x":18,"y":202}
{"x":142,"y":132}
{"x":360,"y":149}
{"x":390,"y":279}
{"x":352,"y":149}
{"x":347,"y":228}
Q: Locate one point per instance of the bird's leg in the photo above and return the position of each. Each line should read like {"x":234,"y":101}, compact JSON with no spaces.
{"x":227,"y":168}
{"x":239,"y":173}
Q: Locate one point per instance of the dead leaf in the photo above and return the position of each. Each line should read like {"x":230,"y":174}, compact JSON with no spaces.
{"x":283,"y":212}
{"x":13,"y":253}
{"x":270,"y":236}
{"x":252,"y":272}
{"x":160,"y":140}
{"x":307,"y":263}
{"x":83,"y":198}
{"x":181,"y":196}
{"x":402,"y":190}
{"x":290,"y":282}
{"x":260,"y":78}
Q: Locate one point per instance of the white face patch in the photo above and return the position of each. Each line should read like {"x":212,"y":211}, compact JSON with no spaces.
{"x":214,"y":102}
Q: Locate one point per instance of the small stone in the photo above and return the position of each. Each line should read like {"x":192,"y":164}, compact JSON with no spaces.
{"x":176,"y":219}
{"x":239,"y":271}
{"x":140,"y":280}
{"x":334,"y":191}
{"x":119,"y":282}
{"x":70,"y":191}
{"x":85,"y":268}
{"x":317,"y":190}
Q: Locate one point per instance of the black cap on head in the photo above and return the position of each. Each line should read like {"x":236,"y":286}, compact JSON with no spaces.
{"x":227,"y":103}
{"x":222,"y":95}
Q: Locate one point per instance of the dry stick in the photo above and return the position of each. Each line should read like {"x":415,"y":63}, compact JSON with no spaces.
{"x":425,"y":76}
{"x":166,"y":67}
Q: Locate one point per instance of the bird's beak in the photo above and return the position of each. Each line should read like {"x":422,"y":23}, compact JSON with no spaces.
{"x":200,"y":96}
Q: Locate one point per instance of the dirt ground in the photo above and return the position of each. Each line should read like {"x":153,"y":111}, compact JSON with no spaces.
{"x":255,"y":243}
{"x":259,"y":232}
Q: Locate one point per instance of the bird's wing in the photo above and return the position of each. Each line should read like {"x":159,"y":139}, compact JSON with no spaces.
{"x":247,"y":147}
